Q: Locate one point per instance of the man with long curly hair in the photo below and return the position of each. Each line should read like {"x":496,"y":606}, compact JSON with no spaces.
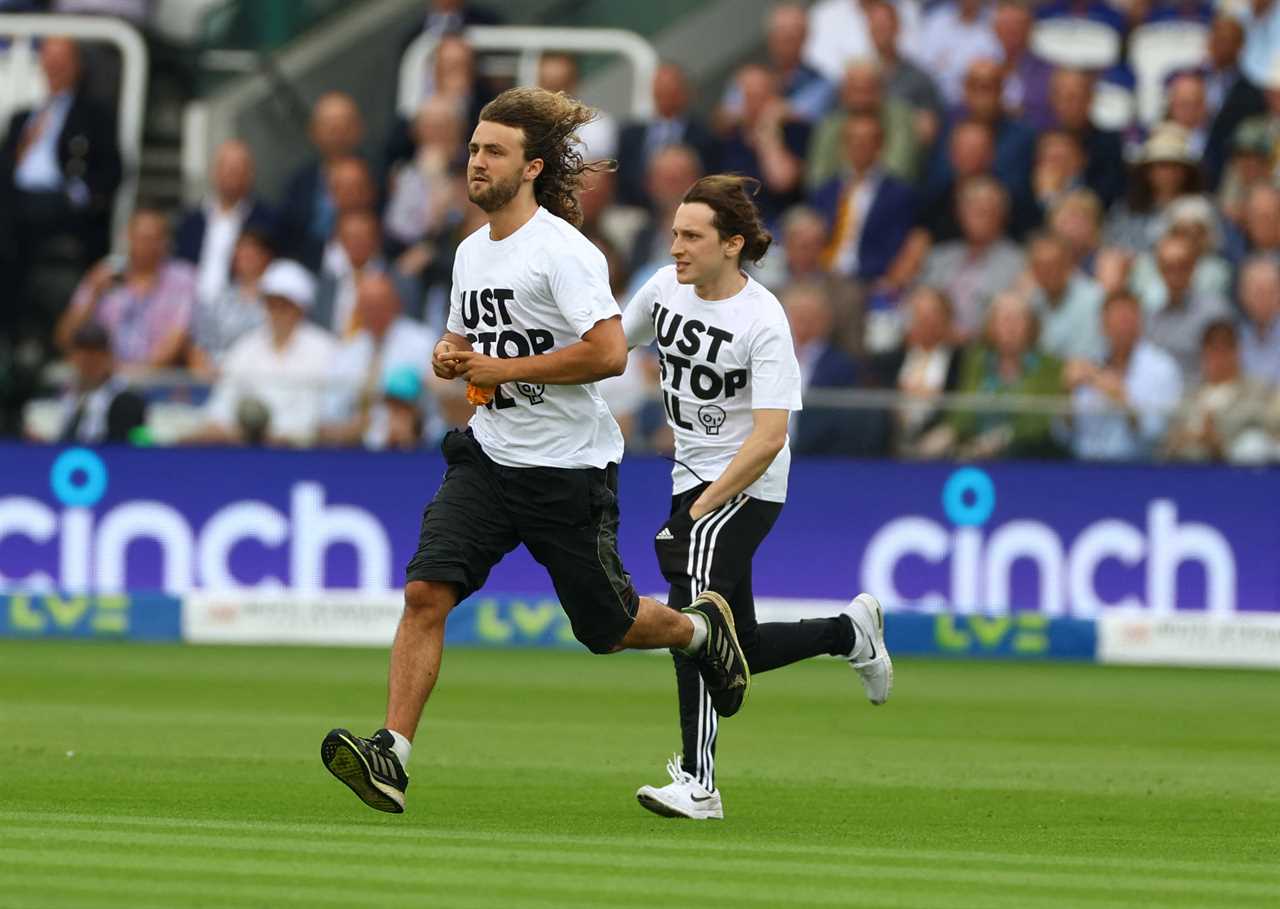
{"x":532,"y":326}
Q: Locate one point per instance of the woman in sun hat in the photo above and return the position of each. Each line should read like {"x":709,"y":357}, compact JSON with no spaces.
{"x":1165,"y":170}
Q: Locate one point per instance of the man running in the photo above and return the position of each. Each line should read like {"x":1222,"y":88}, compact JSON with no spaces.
{"x":533,"y":323}
{"x":730,"y":381}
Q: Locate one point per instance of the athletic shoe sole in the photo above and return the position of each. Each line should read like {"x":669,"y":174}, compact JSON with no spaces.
{"x":722,"y":605}
{"x":659,"y":807}
{"x":343,"y":758}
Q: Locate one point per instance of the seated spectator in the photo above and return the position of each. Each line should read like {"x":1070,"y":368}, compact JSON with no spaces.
{"x":1260,"y":327}
{"x":923,"y":368}
{"x":1059,"y":169}
{"x":1006,"y":362}
{"x":144,"y":303}
{"x":1122,"y":401}
{"x":1076,"y":217}
{"x":387,"y":343}
{"x":398,"y":424}
{"x":766,"y":144}
{"x":1191,"y":217}
{"x":220,"y":322}
{"x":1166,"y":170}
{"x":1223,"y":418}
{"x":1249,"y":164}
{"x":421,"y":191}
{"x":807,"y":92}
{"x":1261,"y":228}
{"x":1176,"y":315}
{"x":870,"y":214}
{"x":558,"y":72}
{"x":1067,"y":302}
{"x":60,"y":168}
{"x":673,"y":123}
{"x":308,"y":211}
{"x":671,"y":172}
{"x":903,"y":79}
{"x":983,"y":263}
{"x":356,"y":251}
{"x":1071,"y":97}
{"x":818,"y":429}
{"x":1026,"y":75}
{"x":839,"y":32}
{"x":970,"y":153}
{"x":1187,"y":106}
{"x":206,"y":236}
{"x":956,"y":33}
{"x":273,"y":383}
{"x":99,"y":406}
{"x":862,"y":92}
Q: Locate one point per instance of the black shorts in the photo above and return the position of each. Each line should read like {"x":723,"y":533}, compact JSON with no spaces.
{"x":566,"y":518}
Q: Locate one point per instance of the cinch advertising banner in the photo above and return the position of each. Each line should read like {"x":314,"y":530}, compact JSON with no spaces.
{"x":1060,"y":540}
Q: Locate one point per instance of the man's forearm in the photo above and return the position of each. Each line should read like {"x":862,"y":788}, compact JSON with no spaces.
{"x":573,"y":365}
{"x":747,"y":466}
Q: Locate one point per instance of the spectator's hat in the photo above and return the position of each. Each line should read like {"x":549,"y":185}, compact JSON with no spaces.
{"x":286,"y":278}
{"x":1168,"y":144}
{"x":404,"y":383}
{"x":91,"y":336}
{"x":1252,"y":138}
{"x":1197,"y":211}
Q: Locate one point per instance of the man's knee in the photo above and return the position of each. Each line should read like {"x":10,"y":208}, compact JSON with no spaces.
{"x":429,"y":601}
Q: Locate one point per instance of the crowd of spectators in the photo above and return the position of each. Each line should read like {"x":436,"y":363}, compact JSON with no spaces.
{"x":951,"y":224}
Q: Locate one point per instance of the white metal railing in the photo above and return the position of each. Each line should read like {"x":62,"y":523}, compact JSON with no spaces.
{"x":530,"y":42}
{"x":133,"y":83}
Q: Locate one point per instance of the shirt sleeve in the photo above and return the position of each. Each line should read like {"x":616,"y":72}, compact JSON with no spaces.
{"x":637,"y":317}
{"x":454,"y":323}
{"x":579,"y":283}
{"x":775,"y":372}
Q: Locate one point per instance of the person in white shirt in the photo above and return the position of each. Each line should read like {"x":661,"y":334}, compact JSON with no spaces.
{"x":730,"y":381}
{"x":282,"y":367}
{"x":532,"y":326}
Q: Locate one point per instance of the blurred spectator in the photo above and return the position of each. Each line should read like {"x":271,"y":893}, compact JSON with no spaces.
{"x":1071,"y":97}
{"x":558,"y":72}
{"x":222,"y":320}
{"x":145,"y":302}
{"x":804,"y":242}
{"x":672,"y":123}
{"x":60,"y":168}
{"x":1059,"y":169}
{"x":1229,"y":95}
{"x":1260,"y":327}
{"x":838,"y":33}
{"x":1165,"y":171}
{"x":1222,"y":68}
{"x":308,"y":211}
{"x":451,"y":77}
{"x":355,"y":251}
{"x":923,"y":368}
{"x":387,"y":343}
{"x":273,"y":381}
{"x":817,"y":429}
{"x":1224,"y":417}
{"x":902,"y":78}
{"x":1067,"y":302}
{"x":1122,"y":401}
{"x":983,"y":263}
{"x":870,"y":214}
{"x":421,"y":191}
{"x":1176,"y":315}
{"x":99,"y":406}
{"x":1006,"y":362}
{"x":670,"y":174}
{"x":1262,"y":221}
{"x":1186,"y":105}
{"x":1249,"y":164}
{"x":1026,"y":76}
{"x":1077,"y":218}
{"x":807,"y":91}
{"x":448,"y":17}
{"x":1261,"y":21}
{"x":970,"y":153}
{"x":862,"y":92}
{"x":955,"y":34}
{"x":206,"y":236}
{"x":766,"y":144}
{"x":1191,"y":217}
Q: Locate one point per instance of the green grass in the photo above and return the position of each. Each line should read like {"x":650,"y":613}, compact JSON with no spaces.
{"x":196,"y":781}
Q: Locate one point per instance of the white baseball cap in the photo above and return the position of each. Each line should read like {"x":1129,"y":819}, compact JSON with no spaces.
{"x":286,"y":278}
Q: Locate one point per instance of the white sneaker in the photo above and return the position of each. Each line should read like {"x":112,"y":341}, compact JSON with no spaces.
{"x":682,"y":797}
{"x":870,"y":658}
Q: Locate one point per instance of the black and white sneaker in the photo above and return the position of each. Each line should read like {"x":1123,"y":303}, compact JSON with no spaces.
{"x":721,"y":662}
{"x":368,"y":766}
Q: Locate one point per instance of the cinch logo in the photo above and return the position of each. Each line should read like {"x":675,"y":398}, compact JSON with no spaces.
{"x":981,"y":560}
{"x":92,"y":547}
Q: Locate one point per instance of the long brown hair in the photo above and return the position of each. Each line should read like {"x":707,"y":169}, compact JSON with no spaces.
{"x":549,"y":121}
{"x":729,"y":198}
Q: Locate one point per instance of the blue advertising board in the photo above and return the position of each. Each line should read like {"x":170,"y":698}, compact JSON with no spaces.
{"x":1059,"y":540}
{"x":132,"y":617}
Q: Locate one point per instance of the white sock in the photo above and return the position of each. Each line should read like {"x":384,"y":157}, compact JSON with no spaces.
{"x":401,"y":747}
{"x":699,"y":633}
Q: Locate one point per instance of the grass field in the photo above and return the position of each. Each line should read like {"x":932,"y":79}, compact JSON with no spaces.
{"x":156,"y":777}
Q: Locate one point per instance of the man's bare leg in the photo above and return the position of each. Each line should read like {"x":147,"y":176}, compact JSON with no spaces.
{"x":656,"y":627}
{"x":416,"y":653}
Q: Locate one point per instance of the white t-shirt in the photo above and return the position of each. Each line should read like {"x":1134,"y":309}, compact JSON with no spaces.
{"x":720,"y":360}
{"x":538,"y":290}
